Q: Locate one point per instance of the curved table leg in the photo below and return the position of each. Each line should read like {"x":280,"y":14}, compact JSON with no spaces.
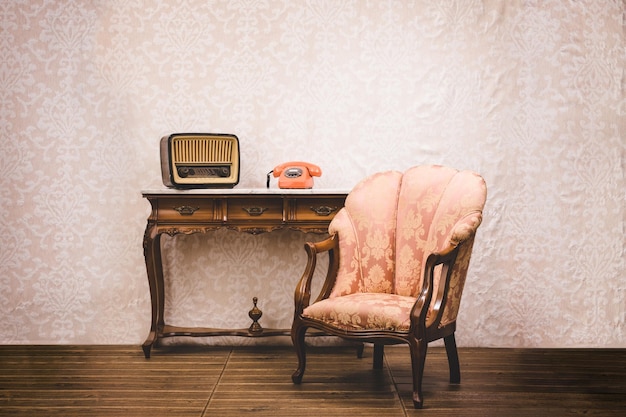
{"x":154,"y":268}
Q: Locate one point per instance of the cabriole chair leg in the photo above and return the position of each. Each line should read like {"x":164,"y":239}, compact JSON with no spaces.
{"x":297,"y":337}
{"x":453,"y":359}
{"x":418,"y":350}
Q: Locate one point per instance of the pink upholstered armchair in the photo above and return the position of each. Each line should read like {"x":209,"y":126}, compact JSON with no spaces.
{"x":398,"y":256}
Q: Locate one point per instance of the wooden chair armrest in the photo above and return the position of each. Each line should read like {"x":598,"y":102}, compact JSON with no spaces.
{"x":446,"y":259}
{"x":302,"y":296}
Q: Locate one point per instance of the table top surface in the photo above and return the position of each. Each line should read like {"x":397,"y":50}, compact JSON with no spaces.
{"x":244,"y":191}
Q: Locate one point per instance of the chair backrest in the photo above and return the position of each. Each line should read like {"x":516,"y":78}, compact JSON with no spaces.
{"x":392,"y":221}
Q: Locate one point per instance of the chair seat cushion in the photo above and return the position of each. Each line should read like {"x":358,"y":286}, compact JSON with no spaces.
{"x":364,"y":311}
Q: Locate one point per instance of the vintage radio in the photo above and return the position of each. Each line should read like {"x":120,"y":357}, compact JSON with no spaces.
{"x":200,"y":160}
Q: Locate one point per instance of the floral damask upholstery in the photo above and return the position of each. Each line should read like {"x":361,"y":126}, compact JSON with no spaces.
{"x":399,"y":252}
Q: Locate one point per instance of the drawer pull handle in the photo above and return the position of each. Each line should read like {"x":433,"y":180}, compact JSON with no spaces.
{"x":254,"y":211}
{"x":186,"y":210}
{"x":324,"y":210}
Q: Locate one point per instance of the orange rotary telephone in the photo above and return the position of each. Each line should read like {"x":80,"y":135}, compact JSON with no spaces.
{"x":295,"y":174}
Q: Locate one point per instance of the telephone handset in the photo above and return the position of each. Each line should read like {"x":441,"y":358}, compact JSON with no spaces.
{"x":295,"y":174}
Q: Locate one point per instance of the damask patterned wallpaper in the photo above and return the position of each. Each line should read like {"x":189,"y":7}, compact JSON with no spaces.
{"x":528,"y":93}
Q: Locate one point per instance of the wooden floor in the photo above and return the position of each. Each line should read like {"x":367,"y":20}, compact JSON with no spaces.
{"x":215,"y":381}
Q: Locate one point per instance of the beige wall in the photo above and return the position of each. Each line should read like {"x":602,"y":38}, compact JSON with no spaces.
{"x":528,"y":93}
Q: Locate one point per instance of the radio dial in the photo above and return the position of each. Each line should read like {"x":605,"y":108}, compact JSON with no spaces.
{"x":185,"y":172}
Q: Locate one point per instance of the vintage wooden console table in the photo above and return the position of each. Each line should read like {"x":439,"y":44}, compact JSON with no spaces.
{"x":245,"y":210}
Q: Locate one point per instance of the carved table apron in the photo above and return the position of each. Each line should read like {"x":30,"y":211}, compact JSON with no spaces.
{"x":245,"y":210}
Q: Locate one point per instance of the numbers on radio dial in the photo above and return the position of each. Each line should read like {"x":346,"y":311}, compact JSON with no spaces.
{"x":205,"y":172}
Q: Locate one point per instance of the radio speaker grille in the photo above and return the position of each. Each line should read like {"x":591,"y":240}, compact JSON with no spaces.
{"x":199,"y":151}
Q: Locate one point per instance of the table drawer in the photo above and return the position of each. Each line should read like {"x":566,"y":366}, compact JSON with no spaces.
{"x":187,"y":210}
{"x":317,"y":209}
{"x":254,"y":209}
